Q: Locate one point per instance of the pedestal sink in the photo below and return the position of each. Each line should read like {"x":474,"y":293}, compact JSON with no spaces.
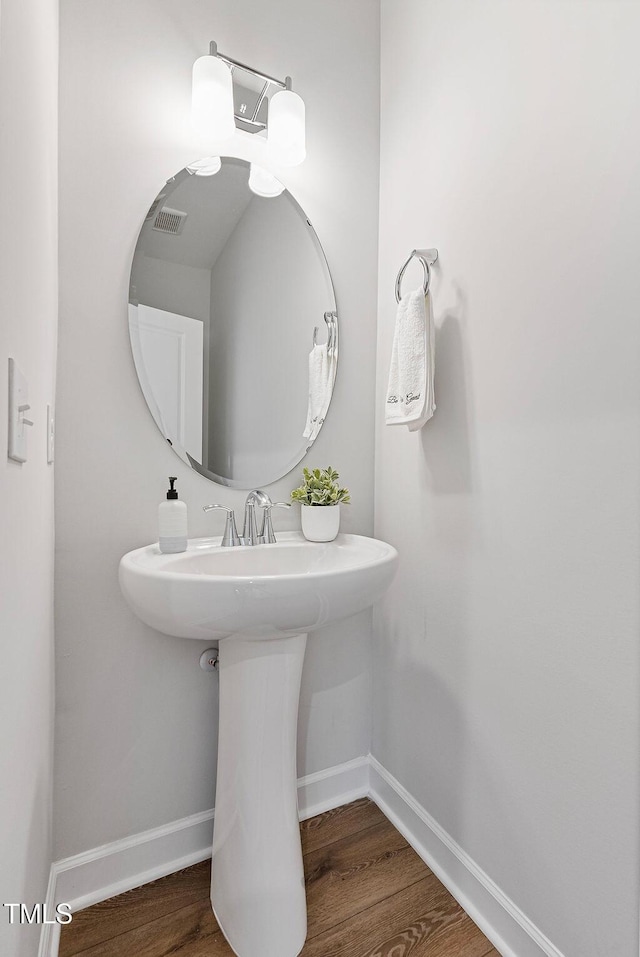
{"x":260,"y":603}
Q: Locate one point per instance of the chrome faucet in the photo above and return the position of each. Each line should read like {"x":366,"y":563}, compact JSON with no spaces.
{"x":250,"y":533}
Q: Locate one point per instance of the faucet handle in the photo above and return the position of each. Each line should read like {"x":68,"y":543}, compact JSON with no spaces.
{"x":230,"y":536}
{"x":267,"y":533}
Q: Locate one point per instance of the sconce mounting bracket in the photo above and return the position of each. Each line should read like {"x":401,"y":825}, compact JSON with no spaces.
{"x":251,"y":91}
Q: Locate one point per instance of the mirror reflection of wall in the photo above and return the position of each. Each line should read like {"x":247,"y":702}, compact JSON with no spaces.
{"x":249,"y":273}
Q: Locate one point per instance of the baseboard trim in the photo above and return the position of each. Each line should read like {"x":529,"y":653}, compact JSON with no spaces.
{"x":507,"y":927}
{"x":102,"y":872}
{"x":333,"y":787}
{"x":50,"y":934}
{"x":93,"y":876}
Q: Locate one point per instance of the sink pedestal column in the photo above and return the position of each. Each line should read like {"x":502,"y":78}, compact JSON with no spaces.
{"x":257,"y":880}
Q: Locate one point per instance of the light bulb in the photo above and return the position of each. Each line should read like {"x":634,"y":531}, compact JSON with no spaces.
{"x":286,"y":129}
{"x":212,"y":99}
{"x":208,"y":166}
{"x":263,"y":183}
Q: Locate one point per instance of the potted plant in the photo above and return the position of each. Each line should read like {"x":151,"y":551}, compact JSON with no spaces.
{"x":320,"y":497}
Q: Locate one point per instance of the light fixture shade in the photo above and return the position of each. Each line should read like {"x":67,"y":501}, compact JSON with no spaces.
{"x":286,"y":129}
{"x":263,"y":183}
{"x":212,"y":99}
{"x":208,"y":166}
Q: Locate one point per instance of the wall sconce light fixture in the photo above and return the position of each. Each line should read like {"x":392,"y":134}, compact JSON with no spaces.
{"x":208,"y":166}
{"x":227,"y":95}
{"x":263,"y":183}
{"x":212,"y":98}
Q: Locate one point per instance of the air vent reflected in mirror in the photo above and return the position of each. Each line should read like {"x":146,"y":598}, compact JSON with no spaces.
{"x":169,"y":221}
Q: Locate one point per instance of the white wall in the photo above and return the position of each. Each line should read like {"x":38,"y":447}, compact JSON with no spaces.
{"x":173,"y":287}
{"x":28,"y":292}
{"x":506,"y":656}
{"x":263,"y":322}
{"x":136,"y":719}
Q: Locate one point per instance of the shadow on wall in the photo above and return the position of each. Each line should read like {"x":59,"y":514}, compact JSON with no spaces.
{"x":446,"y":439}
{"x":471,"y":767}
{"x":336,"y":687}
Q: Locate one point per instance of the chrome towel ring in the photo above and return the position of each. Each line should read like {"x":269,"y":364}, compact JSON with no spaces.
{"x":331,"y":319}
{"x":427,"y":257}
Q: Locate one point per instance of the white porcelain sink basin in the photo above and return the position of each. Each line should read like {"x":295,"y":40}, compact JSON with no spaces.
{"x":241,"y":596}
{"x":261,"y":591}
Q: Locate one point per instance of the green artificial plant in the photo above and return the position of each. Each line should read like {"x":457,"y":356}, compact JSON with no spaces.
{"x":320,"y":487}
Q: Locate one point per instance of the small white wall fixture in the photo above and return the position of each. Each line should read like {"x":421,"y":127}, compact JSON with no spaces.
{"x":19,"y":420}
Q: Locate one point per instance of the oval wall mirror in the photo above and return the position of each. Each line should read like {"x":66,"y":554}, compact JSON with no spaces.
{"x":233,"y":323}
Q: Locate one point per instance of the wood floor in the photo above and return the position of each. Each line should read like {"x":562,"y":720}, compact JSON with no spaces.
{"x":368,"y":895}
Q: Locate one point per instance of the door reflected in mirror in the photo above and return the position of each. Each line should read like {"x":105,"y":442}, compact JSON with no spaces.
{"x":233,"y":324}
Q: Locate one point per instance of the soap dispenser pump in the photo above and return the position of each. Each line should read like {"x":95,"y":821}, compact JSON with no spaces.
{"x":172,"y":522}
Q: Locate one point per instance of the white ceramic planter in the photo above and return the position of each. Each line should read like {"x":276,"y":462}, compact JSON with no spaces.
{"x":320,"y":523}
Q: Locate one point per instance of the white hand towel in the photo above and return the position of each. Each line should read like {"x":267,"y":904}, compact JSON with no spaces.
{"x":410,"y":396}
{"x":319,"y":372}
{"x":329,"y":377}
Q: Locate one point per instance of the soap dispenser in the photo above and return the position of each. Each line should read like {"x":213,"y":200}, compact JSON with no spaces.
{"x":172,"y":522}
